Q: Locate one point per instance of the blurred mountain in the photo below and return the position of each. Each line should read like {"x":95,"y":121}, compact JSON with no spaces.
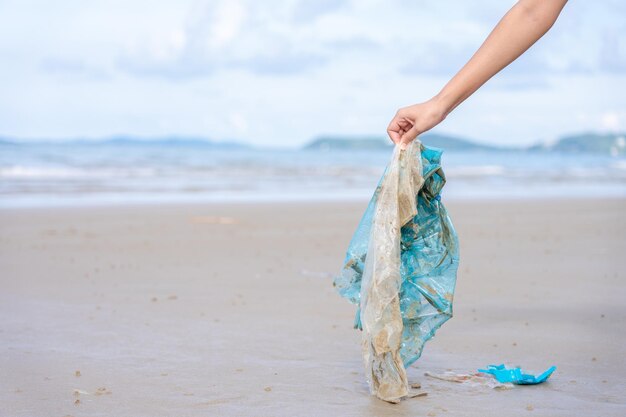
{"x":613,"y":144}
{"x":453,"y":143}
{"x":328,"y":143}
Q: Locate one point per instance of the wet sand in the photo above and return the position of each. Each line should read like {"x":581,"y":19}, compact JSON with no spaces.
{"x":229,"y":310}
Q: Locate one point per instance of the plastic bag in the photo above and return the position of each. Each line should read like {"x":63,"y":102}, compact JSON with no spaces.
{"x":400,"y":268}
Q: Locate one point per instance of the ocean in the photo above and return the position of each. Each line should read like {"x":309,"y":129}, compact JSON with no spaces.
{"x":53,"y":174}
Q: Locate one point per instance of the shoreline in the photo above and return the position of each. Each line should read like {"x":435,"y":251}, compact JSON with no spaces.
{"x":190,"y":200}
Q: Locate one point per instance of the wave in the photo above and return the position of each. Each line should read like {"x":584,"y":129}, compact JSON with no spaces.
{"x":475,"y":170}
{"x":41,"y":172}
{"x":29,"y":173}
{"x":619,"y":165}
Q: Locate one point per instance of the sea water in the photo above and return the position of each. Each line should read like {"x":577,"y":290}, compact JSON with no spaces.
{"x":47,"y":174}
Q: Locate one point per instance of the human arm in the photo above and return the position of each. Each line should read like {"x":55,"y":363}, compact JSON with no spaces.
{"x":518,"y":30}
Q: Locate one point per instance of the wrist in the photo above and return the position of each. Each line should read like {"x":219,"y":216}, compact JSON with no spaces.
{"x":443,"y":103}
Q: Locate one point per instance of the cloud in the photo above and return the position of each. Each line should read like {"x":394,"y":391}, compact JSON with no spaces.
{"x":586,"y":39}
{"x":437,"y":58}
{"x":612,"y":120}
{"x":238,"y":122}
{"x":613,"y":52}
{"x":232,"y":35}
{"x":422,"y":38}
{"x":284,"y":62}
{"x":283,"y":71}
{"x":308,"y":10}
{"x":518,"y":83}
{"x":226,"y":23}
{"x":74,"y":68}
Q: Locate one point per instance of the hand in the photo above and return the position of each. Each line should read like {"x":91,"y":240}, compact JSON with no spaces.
{"x":517,"y":31}
{"x":411,"y":121}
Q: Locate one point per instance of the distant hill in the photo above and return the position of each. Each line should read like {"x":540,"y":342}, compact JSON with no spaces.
{"x":455,"y":143}
{"x":326,"y":143}
{"x":172,"y":141}
{"x":590,"y":143}
{"x":609,"y":144}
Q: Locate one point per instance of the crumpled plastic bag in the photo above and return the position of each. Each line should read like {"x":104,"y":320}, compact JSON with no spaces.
{"x":400,"y":268}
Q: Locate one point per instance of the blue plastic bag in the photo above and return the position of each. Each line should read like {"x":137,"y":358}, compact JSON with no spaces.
{"x":428,"y":250}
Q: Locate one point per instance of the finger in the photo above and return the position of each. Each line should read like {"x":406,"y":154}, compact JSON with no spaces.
{"x":394,"y":135}
{"x":395,"y":131}
{"x":405,"y":124}
{"x":409,"y":136}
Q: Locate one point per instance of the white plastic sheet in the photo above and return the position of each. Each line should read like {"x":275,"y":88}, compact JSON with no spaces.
{"x":380,"y":313}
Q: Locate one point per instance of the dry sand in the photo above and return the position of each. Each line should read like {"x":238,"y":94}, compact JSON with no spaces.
{"x":228,"y":310}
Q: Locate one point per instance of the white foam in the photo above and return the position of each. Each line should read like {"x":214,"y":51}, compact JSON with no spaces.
{"x":474,"y":170}
{"x":30,"y":172}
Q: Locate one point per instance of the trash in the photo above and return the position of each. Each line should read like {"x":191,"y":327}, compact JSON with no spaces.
{"x":411,"y":394}
{"x":400,"y":268}
{"x":477,"y":379}
{"x":415,"y":394}
{"x":515,"y":375}
{"x":102,"y":391}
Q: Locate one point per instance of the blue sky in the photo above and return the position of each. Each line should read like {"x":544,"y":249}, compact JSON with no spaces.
{"x":281,"y":72}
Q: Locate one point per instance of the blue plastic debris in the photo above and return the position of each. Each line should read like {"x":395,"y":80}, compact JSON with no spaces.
{"x":515,"y":375}
{"x":430,"y":260}
{"x":400,"y":268}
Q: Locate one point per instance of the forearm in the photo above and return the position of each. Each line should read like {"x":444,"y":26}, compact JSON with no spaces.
{"x":518,"y":30}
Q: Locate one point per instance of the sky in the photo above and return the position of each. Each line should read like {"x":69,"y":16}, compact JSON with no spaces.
{"x":281,"y":72}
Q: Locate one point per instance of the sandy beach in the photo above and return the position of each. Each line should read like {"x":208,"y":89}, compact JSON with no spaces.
{"x":229,"y":310}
